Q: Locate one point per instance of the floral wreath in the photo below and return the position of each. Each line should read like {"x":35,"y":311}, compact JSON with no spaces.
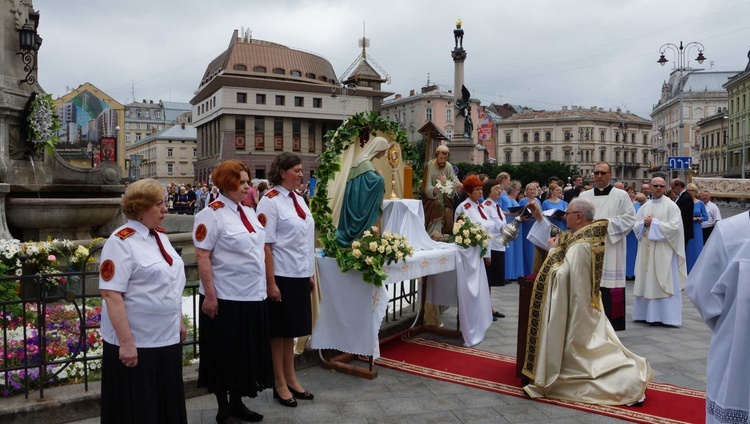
{"x":359,"y":126}
{"x":43,"y":123}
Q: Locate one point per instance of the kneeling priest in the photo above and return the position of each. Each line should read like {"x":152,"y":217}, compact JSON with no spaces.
{"x":572,"y":352}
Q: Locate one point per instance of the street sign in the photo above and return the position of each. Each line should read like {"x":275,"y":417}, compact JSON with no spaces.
{"x":679,"y":162}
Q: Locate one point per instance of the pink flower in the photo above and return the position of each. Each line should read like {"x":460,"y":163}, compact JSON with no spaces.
{"x":51,"y":258}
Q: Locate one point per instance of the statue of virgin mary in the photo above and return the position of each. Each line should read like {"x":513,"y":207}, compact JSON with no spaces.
{"x":363,"y":195}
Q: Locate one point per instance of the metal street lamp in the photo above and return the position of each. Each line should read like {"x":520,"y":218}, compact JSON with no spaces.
{"x":343,"y":90}
{"x":681,"y":65}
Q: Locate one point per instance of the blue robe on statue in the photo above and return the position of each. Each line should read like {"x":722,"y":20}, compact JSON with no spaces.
{"x":695,"y":244}
{"x":632,"y":245}
{"x":363,"y":201}
{"x":528,"y":246}
{"x":514,"y":251}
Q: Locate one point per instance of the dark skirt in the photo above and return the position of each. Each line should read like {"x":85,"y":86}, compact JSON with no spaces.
{"x":150,"y":392}
{"x":292,"y":317}
{"x":496,"y":270}
{"x":235,"y":348}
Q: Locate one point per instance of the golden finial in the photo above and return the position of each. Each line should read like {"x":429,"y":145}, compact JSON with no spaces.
{"x":458,"y":22}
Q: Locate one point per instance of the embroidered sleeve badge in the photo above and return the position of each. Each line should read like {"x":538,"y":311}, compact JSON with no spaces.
{"x":200,"y":232}
{"x":262,"y":219}
{"x":125,"y":233}
{"x":107,"y":270}
{"x":467,"y":205}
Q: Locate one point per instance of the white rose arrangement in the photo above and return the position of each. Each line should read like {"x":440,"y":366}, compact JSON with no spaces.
{"x":467,"y":234}
{"x":372,"y":251}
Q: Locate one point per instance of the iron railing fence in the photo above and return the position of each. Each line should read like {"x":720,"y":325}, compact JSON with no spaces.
{"x":62,"y":311}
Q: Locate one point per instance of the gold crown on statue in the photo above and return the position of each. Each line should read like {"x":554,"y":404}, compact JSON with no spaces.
{"x":458,"y":22}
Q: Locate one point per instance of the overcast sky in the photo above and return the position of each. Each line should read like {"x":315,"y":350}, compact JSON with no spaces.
{"x":539,"y":53}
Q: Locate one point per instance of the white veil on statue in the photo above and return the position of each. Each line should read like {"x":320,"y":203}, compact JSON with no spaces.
{"x":353,"y":156}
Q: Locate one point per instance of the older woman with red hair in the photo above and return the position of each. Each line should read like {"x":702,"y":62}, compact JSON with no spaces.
{"x":235,"y":341}
{"x":473,"y":209}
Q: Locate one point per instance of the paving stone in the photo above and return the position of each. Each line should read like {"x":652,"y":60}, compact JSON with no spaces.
{"x":367,"y":409}
{"x":484,"y":415}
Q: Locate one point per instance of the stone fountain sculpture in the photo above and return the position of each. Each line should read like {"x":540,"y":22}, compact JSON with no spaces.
{"x":41,"y":195}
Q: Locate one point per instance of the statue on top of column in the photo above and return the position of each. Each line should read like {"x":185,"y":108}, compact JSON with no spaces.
{"x":458,"y":35}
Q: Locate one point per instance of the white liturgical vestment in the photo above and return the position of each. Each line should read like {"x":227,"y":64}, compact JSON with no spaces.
{"x":660,"y":270}
{"x":617,"y":208}
{"x":719,"y":286}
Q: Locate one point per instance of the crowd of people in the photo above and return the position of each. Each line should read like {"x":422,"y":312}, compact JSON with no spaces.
{"x":254,"y":247}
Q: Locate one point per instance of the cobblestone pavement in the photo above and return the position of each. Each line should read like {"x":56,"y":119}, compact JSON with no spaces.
{"x":677,"y":355}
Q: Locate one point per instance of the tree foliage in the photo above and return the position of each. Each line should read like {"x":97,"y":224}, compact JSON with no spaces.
{"x":525,"y":172}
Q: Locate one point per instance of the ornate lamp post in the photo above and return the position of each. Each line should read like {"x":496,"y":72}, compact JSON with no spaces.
{"x":28,"y":49}
{"x":681,"y":65}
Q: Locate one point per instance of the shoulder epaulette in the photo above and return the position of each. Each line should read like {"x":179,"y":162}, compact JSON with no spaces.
{"x":161,"y":230}
{"x":125,"y":233}
{"x":217,"y":204}
{"x":273,"y":193}
{"x":467,"y":205}
{"x":247,"y":203}
{"x":488,"y":203}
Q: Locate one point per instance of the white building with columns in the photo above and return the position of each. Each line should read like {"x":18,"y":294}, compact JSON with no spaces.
{"x":579,"y":136}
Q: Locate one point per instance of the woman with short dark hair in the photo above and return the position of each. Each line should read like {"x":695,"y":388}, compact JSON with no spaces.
{"x":235,"y":344}
{"x":290,"y":265}
{"x":141,"y":279}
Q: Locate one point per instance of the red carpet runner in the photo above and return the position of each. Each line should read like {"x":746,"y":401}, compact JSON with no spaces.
{"x":494,"y":372}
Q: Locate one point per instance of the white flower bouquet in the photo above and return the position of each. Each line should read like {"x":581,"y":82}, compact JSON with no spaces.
{"x":371,"y":251}
{"x":467,"y":234}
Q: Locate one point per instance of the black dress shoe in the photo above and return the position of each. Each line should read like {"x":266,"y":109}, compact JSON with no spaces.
{"x":247,"y":415}
{"x":291,"y":402}
{"x":498,"y":314}
{"x":494,"y":318}
{"x":228,"y":420}
{"x":301,"y":395}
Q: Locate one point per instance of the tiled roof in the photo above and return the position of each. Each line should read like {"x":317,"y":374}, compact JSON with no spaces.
{"x":578,"y":114}
{"x":251,"y":53}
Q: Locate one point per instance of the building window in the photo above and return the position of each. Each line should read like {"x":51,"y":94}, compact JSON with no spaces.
{"x":239,"y":67}
{"x":296,"y":134}
{"x":507,"y":137}
{"x":525,"y":137}
{"x":195,"y":153}
{"x":278,"y":134}
{"x":311,"y":136}
{"x":548,"y":155}
{"x":260,"y":69}
{"x":260,"y":99}
{"x":311,"y":75}
{"x":241,"y":97}
{"x":587,"y":156}
{"x":603,"y":156}
{"x":170,"y":152}
{"x":548,"y":136}
{"x":525,"y":156}
{"x":567,"y":135}
{"x":536,"y":156}
{"x":296,"y":73}
{"x":428,"y":114}
{"x":279,"y":71}
{"x":299,"y":101}
{"x":617,"y":137}
{"x":239,"y":125}
{"x":260,"y":130}
{"x":317,"y":102}
{"x":127,"y":138}
{"x":170,"y":168}
{"x":601,"y":136}
{"x":448,"y":115}
{"x":127,"y":125}
{"x":137,"y":136}
{"x":536,"y":136}
{"x":507,"y":157}
{"x":280,"y":101}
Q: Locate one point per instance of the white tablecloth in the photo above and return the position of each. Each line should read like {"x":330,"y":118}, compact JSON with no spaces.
{"x":406,"y":217}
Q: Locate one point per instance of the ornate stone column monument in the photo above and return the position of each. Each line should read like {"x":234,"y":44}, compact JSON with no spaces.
{"x":462,"y":143}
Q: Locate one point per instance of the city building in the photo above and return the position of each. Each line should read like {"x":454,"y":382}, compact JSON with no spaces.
{"x":580,"y":137}
{"x":167,"y":156}
{"x":738,"y":91}
{"x":90,"y":120}
{"x":713,"y":144}
{"x":145,"y":118}
{"x":430,"y":105}
{"x":702,"y":95}
{"x":259,"y":98}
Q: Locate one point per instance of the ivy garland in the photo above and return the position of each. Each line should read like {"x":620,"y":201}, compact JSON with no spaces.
{"x":357,"y":127}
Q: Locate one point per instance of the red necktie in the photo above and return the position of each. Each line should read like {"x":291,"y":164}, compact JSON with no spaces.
{"x":161,"y":246}
{"x":245,"y":221}
{"x":297,"y":207}
{"x":481,"y":212}
{"x":500,"y":212}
